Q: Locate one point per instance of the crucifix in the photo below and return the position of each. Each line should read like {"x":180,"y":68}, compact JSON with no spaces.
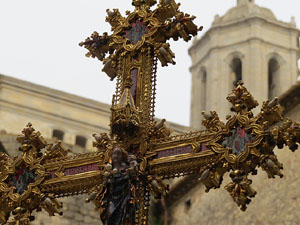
{"x":133,"y":160}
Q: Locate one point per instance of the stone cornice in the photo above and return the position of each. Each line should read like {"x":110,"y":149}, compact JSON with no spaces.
{"x":245,"y":20}
{"x":64,"y":98}
{"x":55,"y":94}
{"x":38,"y":113}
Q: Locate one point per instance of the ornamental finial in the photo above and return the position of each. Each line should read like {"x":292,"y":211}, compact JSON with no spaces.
{"x":241,"y":99}
{"x":139,"y":3}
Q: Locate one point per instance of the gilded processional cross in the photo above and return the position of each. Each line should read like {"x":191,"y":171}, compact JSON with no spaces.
{"x":131,"y":162}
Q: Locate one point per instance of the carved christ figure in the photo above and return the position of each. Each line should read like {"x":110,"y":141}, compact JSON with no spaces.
{"x":118,"y":206}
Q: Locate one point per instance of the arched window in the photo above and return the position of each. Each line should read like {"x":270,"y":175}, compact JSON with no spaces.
{"x":58,"y":134}
{"x":203,"y":89}
{"x":236,"y":69}
{"x":188,"y":205}
{"x":80,"y":141}
{"x":273,"y":77}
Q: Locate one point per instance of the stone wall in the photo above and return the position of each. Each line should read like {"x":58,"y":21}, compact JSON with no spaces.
{"x":9,"y":143}
{"x":76,"y":212}
{"x":277,"y":200}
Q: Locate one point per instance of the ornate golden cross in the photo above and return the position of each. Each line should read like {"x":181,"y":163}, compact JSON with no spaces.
{"x":132,"y":161}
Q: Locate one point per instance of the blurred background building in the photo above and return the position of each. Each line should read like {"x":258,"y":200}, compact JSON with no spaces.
{"x":247,"y":43}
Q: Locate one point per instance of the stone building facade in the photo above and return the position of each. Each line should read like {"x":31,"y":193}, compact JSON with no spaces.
{"x":58,"y":116}
{"x":277,"y":200}
{"x":248,"y":43}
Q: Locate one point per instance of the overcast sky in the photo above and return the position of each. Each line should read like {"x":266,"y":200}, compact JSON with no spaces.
{"x":39,"y":43}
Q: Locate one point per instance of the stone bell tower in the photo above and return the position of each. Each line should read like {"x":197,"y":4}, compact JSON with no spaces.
{"x":248,"y":43}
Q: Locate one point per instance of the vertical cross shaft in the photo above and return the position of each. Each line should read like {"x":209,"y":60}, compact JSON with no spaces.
{"x":137,"y":43}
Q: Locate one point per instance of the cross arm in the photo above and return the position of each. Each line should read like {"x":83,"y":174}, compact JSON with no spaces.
{"x":44,"y":172}
{"x":240,"y":146}
{"x":287,"y":134}
{"x":175,"y":24}
{"x":98,"y":46}
{"x":181,"y":155}
{"x":73,"y":175}
{"x":182,"y":26}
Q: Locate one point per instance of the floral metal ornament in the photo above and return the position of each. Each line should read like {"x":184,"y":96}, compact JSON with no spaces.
{"x":21,"y":179}
{"x":245,"y":143}
{"x":131,"y":162}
